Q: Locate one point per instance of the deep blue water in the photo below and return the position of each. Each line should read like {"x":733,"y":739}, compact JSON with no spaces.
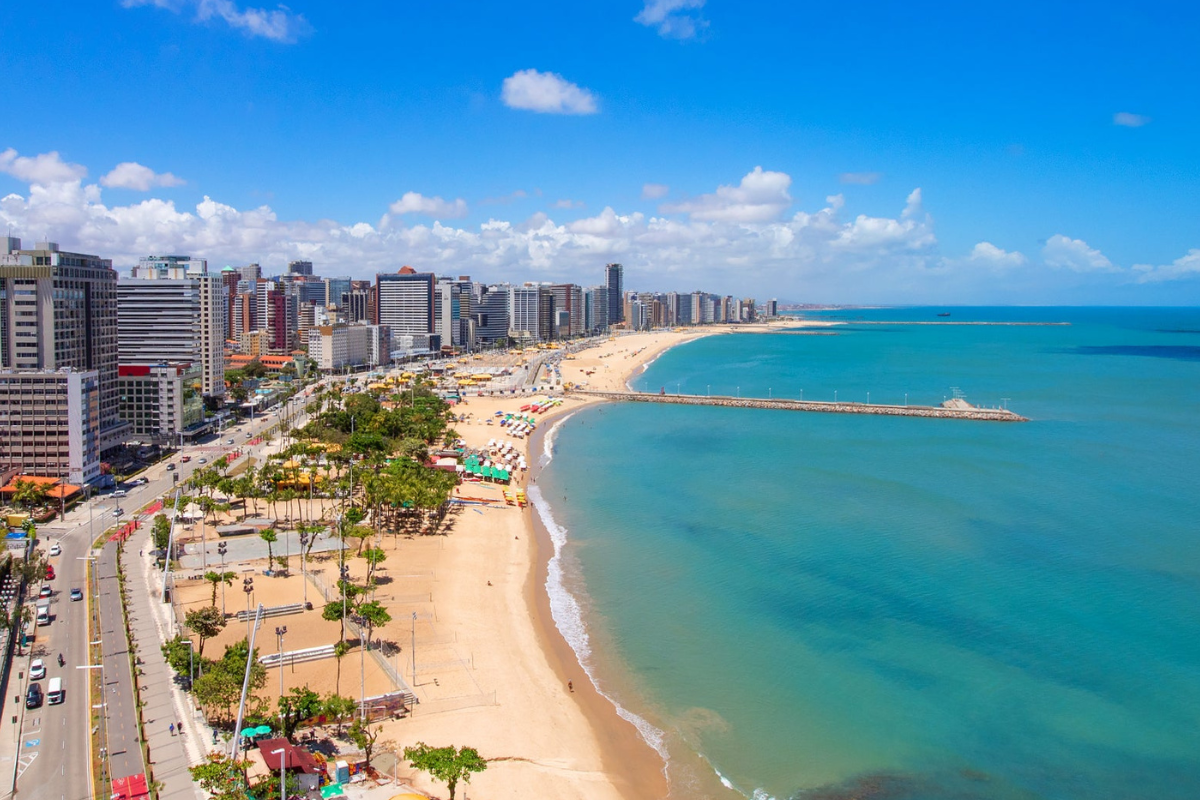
{"x":873,"y":607}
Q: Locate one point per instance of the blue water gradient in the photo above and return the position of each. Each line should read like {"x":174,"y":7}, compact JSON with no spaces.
{"x":842,"y":606}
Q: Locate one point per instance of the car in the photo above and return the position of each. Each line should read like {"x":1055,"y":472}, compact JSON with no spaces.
{"x":76,"y":594}
{"x":138,"y":482}
{"x":37,"y":669}
{"x":184,"y":459}
{"x":49,"y":572}
{"x":170,"y":467}
{"x":249,"y":434}
{"x":46,"y":591}
{"x":229,"y":441}
{"x":33,"y":697}
{"x":118,"y":512}
{"x":120,"y":493}
{"x":202,"y":460}
{"x":55,"y":550}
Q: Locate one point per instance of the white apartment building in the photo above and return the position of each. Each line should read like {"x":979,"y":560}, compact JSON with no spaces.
{"x":332,"y":347}
{"x":51,"y":423}
{"x":173,"y":310}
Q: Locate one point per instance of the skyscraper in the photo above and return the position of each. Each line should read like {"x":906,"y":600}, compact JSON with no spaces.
{"x":58,"y":314}
{"x":405,"y":303}
{"x":614,"y":280}
{"x":172,"y":311}
{"x":300,"y":268}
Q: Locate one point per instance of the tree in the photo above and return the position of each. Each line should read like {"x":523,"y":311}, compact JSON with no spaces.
{"x":337,"y":707}
{"x":205,"y":622}
{"x":339,"y":651}
{"x":374,"y":557}
{"x":375,"y":615}
{"x":446,"y":764}
{"x":221,"y":776}
{"x":364,"y":736}
{"x":178,"y":653}
{"x":161,"y":532}
{"x":216,"y":579}
{"x":270,"y":538}
{"x":299,"y":704}
{"x":220,"y":688}
{"x":29,"y":494}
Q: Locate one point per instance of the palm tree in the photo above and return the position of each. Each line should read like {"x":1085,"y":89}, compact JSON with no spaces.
{"x":270,"y":538}
{"x":216,"y":579}
{"x":30,"y":493}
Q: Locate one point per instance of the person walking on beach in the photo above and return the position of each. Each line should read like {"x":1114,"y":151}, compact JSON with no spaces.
{"x":570,"y":686}
{"x":172,"y":728}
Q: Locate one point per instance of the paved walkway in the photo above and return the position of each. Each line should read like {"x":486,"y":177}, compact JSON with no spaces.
{"x":166,"y":702}
{"x":124,"y":749}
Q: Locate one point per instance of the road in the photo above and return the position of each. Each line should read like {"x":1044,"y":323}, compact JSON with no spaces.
{"x":55,"y":746}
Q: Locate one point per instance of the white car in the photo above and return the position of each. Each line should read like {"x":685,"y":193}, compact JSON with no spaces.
{"x":37,"y":670}
{"x":55,"y":550}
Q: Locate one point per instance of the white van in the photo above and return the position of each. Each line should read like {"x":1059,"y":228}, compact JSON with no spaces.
{"x":54,"y":691}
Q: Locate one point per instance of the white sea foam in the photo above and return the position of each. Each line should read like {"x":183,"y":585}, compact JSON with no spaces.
{"x":548,"y":440}
{"x":568,"y":616}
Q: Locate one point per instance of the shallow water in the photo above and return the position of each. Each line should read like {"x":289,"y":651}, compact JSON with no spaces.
{"x":871,"y":607}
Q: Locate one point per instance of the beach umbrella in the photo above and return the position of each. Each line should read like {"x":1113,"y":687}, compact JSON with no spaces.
{"x":262,"y":730}
{"x":249,"y":732}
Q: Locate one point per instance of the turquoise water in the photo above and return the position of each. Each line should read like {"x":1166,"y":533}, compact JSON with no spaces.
{"x":827,"y":606}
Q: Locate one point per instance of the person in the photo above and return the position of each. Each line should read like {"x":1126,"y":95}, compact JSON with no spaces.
{"x":61,"y":661}
{"x":172,"y":728}
{"x":180,"y":727}
{"x":570,"y":686}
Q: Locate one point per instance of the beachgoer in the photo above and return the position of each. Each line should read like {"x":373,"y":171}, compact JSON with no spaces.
{"x":172,"y":727}
{"x":180,"y":727}
{"x":570,"y":686}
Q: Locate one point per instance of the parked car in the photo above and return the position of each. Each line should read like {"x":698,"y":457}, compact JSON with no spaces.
{"x":55,"y":550}
{"x":46,"y":590}
{"x":76,"y":594}
{"x":120,"y":493}
{"x":33,"y":697}
{"x":37,"y":669}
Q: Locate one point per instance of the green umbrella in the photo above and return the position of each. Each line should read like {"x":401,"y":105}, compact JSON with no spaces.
{"x":262,"y":730}
{"x":249,"y":732}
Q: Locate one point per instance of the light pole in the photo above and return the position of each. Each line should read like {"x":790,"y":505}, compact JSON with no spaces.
{"x":279,"y":632}
{"x":413,"y":647}
{"x":248,"y":588}
{"x":221,"y":546}
{"x":303,"y":550}
{"x":361,"y":621}
{"x":191,"y":662}
{"x":282,"y":753}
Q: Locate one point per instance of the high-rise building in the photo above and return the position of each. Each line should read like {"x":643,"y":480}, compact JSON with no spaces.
{"x":161,"y":402}
{"x":405,"y":301}
{"x":172,"y":310}
{"x":595,"y":308}
{"x":250,"y":272}
{"x":334,"y":289}
{"x":229,"y":283}
{"x":300,"y":268}
{"x":354,"y":306}
{"x":335,"y":346}
{"x":547,"y":314}
{"x":568,"y":297}
{"x":614,"y":280}
{"x":58,"y":310}
{"x":523,"y":313}
{"x":491,"y":315}
{"x":51,"y":422}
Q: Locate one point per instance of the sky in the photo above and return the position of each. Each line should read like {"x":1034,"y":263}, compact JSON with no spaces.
{"x":873,"y":152}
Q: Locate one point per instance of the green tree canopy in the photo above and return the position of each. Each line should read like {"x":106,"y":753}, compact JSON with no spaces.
{"x":446,"y":764}
{"x":206,"y":623}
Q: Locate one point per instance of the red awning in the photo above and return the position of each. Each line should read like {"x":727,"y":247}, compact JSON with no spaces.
{"x":296,"y":758}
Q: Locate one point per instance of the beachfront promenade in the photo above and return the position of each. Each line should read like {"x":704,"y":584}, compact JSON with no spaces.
{"x":954,"y":409}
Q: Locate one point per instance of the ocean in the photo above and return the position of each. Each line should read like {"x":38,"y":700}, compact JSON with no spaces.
{"x":798,"y":605}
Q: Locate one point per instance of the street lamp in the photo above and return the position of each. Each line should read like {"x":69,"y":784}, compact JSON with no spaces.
{"x":248,"y":588}
{"x":221,"y":547}
{"x":279,"y":632}
{"x":303,"y":550}
{"x":282,"y":753}
{"x":361,"y":622}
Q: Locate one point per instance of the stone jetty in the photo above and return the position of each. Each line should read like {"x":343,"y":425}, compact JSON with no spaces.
{"x":952,"y":409}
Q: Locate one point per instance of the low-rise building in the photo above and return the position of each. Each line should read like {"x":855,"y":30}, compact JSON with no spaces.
{"x":162,"y":401}
{"x":333,"y":347}
{"x":51,"y":422}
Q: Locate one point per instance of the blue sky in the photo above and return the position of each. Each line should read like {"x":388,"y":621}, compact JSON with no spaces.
{"x":870,"y":152}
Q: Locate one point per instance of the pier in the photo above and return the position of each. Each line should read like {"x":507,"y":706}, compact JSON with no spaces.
{"x":952,"y":409}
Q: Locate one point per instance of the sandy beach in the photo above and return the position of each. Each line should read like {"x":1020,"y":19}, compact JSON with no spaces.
{"x":492,"y":670}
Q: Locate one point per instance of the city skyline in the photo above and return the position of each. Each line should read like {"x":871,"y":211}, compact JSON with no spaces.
{"x":828,"y":156}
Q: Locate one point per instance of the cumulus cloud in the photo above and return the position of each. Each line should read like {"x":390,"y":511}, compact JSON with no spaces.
{"x":674,"y":19}
{"x":1063,"y":252}
{"x":860,"y":178}
{"x":654,"y":191}
{"x":546,"y":93}
{"x":761,"y":197}
{"x":988,"y":255}
{"x":1187,"y":266}
{"x":45,"y":168}
{"x":1127,"y":120}
{"x":132,"y":175}
{"x":279,"y":24}
{"x":417,"y":203}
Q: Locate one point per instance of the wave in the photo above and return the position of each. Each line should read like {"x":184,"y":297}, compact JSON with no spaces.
{"x":568,"y":616}
{"x":548,"y":441}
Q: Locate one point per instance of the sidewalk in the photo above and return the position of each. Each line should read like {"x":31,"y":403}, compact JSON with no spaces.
{"x":166,"y":702}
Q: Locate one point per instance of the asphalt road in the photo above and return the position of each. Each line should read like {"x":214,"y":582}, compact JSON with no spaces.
{"x":55,"y":742}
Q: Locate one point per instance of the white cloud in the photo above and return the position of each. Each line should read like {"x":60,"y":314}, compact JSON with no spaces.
{"x":546,"y":93}
{"x":45,"y":168}
{"x":132,"y":175}
{"x":654,"y":191}
{"x":1127,"y":120}
{"x":417,"y":203}
{"x":1187,"y":266}
{"x":988,"y":255}
{"x":1063,"y":252}
{"x":279,"y":25}
{"x":860,"y":178}
{"x":761,"y":197}
{"x":566,"y":203}
{"x":674,"y":19}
